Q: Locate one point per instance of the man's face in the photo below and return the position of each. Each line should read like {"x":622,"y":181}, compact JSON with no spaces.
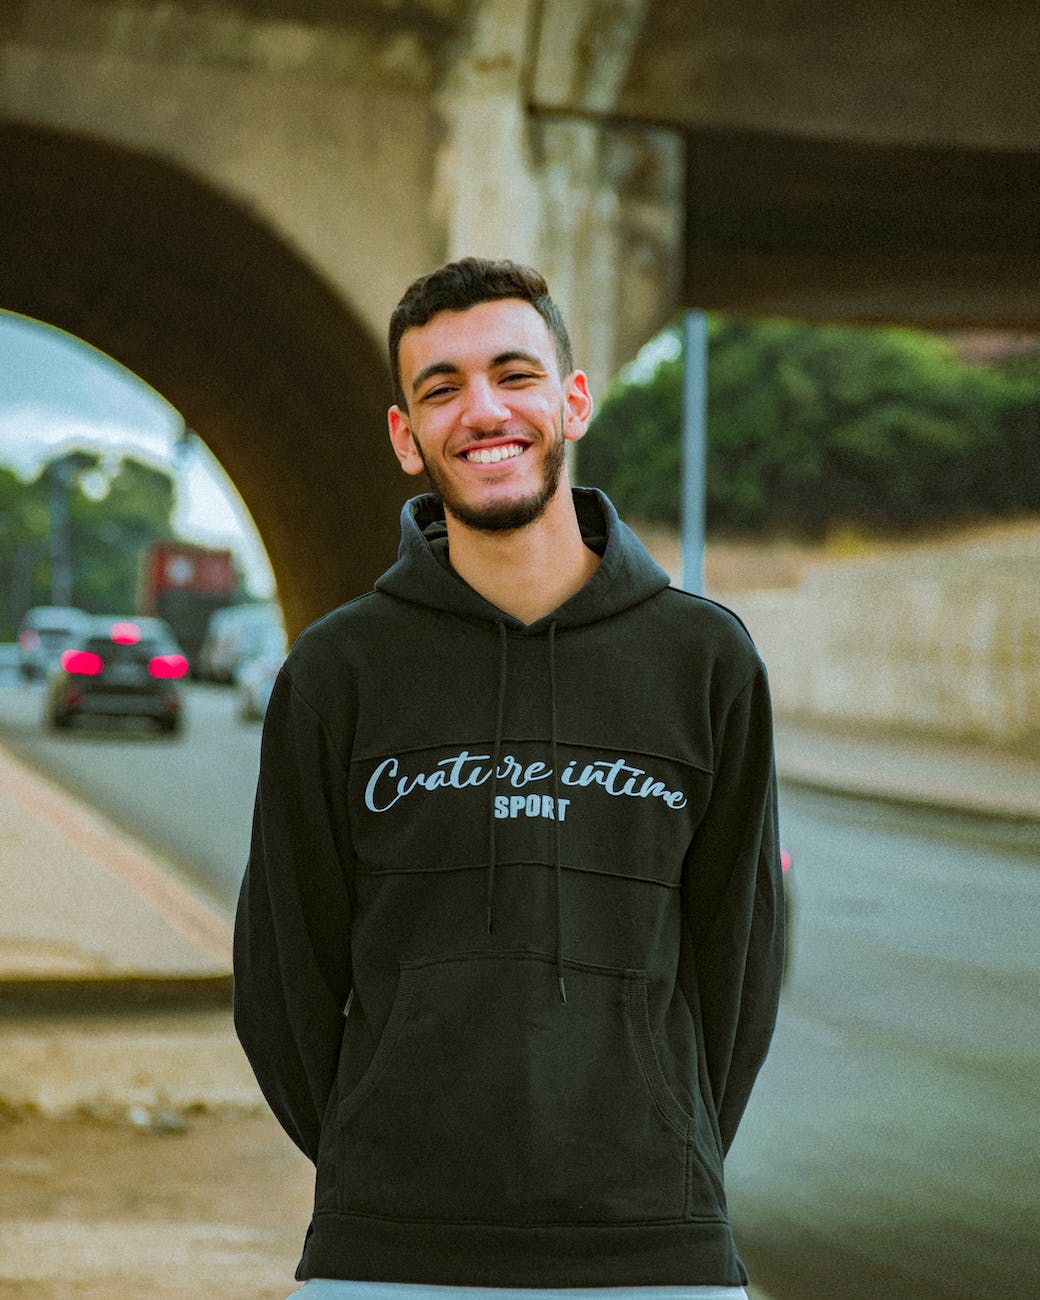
{"x":488,"y":412}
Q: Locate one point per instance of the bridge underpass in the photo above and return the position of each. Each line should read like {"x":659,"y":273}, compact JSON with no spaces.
{"x":226,"y":199}
{"x":844,"y":231}
{"x":203,"y":302}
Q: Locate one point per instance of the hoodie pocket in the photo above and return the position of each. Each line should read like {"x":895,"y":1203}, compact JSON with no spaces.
{"x":487,"y":1100}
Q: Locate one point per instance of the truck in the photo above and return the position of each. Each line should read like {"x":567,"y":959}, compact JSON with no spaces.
{"x":184,"y":584}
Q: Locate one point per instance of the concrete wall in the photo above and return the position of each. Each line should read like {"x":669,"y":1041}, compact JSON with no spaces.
{"x":600,"y":212}
{"x":377,"y":142}
{"x":325,"y":133}
{"x":944,"y":641}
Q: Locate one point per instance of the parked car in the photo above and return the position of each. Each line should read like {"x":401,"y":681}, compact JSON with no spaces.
{"x":44,"y":632}
{"x":235,"y":634}
{"x":121,"y":668}
{"x":8,"y":659}
{"x":254,"y":678}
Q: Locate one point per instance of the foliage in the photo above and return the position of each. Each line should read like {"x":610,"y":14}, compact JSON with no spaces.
{"x":110,"y":518}
{"x":108,"y":535}
{"x":817,"y":429}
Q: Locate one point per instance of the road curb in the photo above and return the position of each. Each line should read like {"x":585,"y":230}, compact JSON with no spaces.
{"x":930,"y":803}
{"x":104,"y":995}
{"x":956,"y":778}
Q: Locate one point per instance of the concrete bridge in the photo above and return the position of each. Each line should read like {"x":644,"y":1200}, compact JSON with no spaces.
{"x":228,"y":197}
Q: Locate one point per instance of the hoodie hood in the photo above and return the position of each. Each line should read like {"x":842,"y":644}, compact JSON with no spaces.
{"x":626,"y":577}
{"x":422,"y":575}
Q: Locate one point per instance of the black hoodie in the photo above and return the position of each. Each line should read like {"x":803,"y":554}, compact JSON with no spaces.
{"x":509,"y":942}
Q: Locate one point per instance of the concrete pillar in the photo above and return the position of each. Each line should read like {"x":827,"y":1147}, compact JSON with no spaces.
{"x":597,"y":209}
{"x":486,"y":193}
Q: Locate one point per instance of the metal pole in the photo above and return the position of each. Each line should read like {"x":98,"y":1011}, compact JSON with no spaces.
{"x":61,"y":558}
{"x":21,"y":581}
{"x":694,"y":449}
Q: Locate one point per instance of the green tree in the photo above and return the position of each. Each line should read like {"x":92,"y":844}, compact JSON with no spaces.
{"x":24,"y":523}
{"x":1014,"y":451}
{"x":111,"y":516}
{"x":110,"y":531}
{"x":815,"y":428}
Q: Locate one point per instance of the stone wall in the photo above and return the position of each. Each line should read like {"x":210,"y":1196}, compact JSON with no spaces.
{"x":945,"y":640}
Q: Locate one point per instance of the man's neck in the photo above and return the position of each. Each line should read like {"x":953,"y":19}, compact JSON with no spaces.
{"x":528,"y":572}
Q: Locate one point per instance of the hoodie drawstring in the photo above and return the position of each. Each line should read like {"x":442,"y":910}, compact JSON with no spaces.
{"x":557,"y":864}
{"x":503,"y":666}
{"x":489,"y":901}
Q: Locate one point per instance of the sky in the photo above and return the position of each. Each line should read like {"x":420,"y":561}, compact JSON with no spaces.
{"x":57,"y":392}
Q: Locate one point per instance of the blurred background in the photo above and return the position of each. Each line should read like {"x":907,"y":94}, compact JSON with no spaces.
{"x":207,"y":213}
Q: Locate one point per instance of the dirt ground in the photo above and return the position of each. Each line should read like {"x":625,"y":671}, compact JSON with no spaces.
{"x":137,"y":1206}
{"x":732,"y":565}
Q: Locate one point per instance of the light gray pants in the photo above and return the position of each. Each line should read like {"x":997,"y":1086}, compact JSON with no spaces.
{"x":325,"y":1289}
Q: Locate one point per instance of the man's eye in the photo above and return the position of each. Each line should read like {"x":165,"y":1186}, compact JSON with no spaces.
{"x":515,"y":376}
{"x":442,"y":390}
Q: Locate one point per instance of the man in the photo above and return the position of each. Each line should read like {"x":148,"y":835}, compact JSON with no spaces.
{"x":509,"y":943}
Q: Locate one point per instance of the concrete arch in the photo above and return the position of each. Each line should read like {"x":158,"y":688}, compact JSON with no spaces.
{"x":211,"y":308}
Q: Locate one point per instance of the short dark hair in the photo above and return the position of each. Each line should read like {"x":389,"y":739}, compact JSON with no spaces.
{"x":463,"y":284}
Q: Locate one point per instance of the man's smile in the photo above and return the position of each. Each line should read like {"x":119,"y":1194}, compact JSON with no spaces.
{"x":492,"y":455}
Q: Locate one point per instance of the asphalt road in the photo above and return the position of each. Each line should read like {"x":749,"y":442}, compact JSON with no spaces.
{"x":891,"y":1150}
{"x":892,"y":1147}
{"x":190,"y":796}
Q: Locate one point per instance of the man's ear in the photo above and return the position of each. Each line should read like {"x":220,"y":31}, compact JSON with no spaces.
{"x":402,"y":441}
{"x":578,"y":405}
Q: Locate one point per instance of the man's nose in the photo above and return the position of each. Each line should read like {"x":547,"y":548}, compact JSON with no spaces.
{"x":484,"y":407}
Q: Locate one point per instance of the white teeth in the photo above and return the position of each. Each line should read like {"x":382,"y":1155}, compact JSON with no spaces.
{"x":490,"y":455}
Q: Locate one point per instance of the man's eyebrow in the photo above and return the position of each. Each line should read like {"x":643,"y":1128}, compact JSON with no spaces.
{"x":450,"y":368}
{"x":504,"y":358}
{"x":435,"y":368}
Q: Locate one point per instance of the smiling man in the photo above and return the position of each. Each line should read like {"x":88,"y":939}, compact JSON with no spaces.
{"x":510,"y":937}
{"x":492,"y":400}
{"x":505,"y":414}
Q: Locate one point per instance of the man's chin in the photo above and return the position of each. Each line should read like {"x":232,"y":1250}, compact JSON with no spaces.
{"x":502,"y":517}
{"x":507,"y":516}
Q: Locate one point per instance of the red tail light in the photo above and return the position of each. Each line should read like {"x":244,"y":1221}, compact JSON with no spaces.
{"x":81,"y":663}
{"x":785,"y":861}
{"x":168,"y":666}
{"x":125,"y":633}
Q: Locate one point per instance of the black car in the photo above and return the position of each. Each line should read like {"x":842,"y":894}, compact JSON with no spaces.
{"x":122,"y":668}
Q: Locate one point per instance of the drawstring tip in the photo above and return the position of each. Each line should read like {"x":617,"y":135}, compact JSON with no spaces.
{"x":563,"y":991}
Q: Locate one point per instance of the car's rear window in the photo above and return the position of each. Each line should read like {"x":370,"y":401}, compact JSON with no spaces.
{"x":115,"y":650}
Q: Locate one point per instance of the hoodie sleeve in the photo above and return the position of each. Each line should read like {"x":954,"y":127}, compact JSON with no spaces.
{"x":292,"y":929}
{"x":734,"y":905}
